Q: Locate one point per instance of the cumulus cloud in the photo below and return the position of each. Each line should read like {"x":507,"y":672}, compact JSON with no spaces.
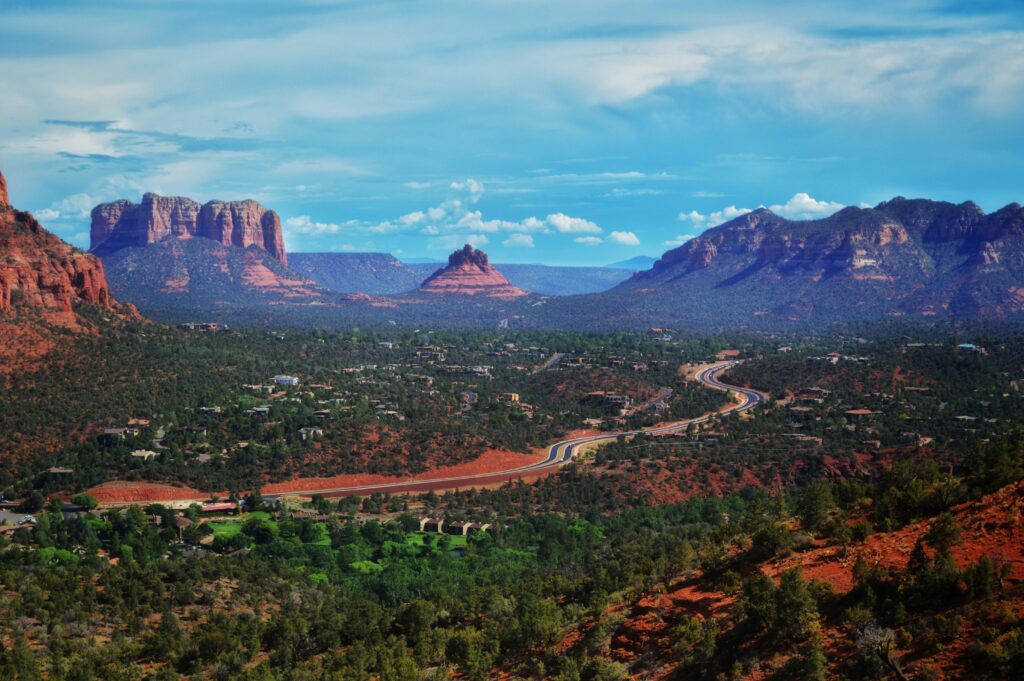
{"x":624,"y":238}
{"x":474,"y":188}
{"x":452,"y":241}
{"x":302,"y":224}
{"x":588,"y":240}
{"x":801,"y":206}
{"x":679,"y":240}
{"x":570,"y":225}
{"x":715,"y":218}
{"x":518,"y":241}
{"x":74,"y":207}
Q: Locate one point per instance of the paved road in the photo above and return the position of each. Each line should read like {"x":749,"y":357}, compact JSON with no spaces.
{"x":550,"y":362}
{"x":559,"y":453}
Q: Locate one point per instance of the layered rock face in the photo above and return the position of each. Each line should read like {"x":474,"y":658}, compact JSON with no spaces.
{"x":122,"y":224}
{"x":901,"y":257}
{"x":39,"y":272}
{"x":469,"y":273}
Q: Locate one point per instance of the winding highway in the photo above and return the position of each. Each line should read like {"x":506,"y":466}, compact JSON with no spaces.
{"x":559,"y":453}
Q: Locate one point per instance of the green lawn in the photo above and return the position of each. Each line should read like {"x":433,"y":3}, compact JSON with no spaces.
{"x":229,"y":528}
{"x":416,"y":539}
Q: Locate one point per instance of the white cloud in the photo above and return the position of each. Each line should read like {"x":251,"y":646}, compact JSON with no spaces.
{"x":473,"y":187}
{"x":588,"y":240}
{"x":570,"y":225}
{"x":519,"y":241}
{"x":624,"y":238}
{"x":452,"y":241}
{"x":417,"y":185}
{"x":47,"y":214}
{"x":802,"y":207}
{"x":302,"y":224}
{"x":679,"y":240}
{"x":74,"y":207}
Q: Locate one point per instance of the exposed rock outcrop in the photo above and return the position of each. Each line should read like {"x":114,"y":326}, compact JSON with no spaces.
{"x":902,"y":257}
{"x":122,"y":224}
{"x":469,"y":273}
{"x":40,"y":272}
{"x":203,"y":274}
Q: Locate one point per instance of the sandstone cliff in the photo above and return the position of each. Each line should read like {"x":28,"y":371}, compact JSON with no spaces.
{"x":468,"y":272}
{"x":40,"y":272}
{"x":903,"y":257}
{"x":122,"y":224}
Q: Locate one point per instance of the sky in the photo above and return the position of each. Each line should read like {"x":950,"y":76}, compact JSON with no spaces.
{"x":559,"y":132}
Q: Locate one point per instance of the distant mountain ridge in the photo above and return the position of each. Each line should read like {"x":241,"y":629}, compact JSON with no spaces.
{"x":640,"y":262}
{"x":371,"y":273}
{"x":383,"y":274}
{"x":903,"y":257}
{"x":122,"y":224}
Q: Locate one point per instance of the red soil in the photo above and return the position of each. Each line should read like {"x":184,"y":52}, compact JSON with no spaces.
{"x":126,"y":491}
{"x":993,"y":527}
{"x":491,"y":461}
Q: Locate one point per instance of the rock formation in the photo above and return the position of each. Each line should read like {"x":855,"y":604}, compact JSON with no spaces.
{"x":469,"y":273}
{"x":902,"y":257}
{"x":122,"y":224}
{"x":42,"y":276}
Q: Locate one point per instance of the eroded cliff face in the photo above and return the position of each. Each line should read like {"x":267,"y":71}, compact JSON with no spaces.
{"x":469,"y":273}
{"x":122,"y":224}
{"x":904,"y":256}
{"x":42,"y":274}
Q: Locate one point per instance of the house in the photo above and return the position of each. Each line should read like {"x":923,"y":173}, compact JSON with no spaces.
{"x":464,"y":528}
{"x":387,"y":345}
{"x":258,"y":411}
{"x":111,"y":435}
{"x":509,"y":397}
{"x":728,"y":354}
{"x":321,"y":413}
{"x":282,"y":379}
{"x":309,"y":433}
{"x":432,"y":525}
{"x":220,"y":507}
{"x":144,"y":454}
{"x":862,"y":413}
{"x":211,"y":411}
{"x":181,"y":523}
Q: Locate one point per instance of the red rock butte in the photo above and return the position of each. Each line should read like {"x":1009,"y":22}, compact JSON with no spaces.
{"x":122,"y":224}
{"x":469,"y":273}
{"x":41,"y":272}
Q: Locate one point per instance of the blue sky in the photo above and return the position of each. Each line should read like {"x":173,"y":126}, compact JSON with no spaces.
{"x":556,"y":132}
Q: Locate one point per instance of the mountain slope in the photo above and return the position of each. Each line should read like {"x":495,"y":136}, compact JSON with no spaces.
{"x":640,"y":262}
{"x":122,"y":224}
{"x":902,"y":258}
{"x":201,"y":274}
{"x":469,"y":273}
{"x":372,"y":273}
{"x":45,"y":285}
{"x":383,"y":274}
